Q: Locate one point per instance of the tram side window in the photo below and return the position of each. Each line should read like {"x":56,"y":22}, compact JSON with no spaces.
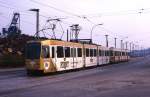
{"x":100,"y":53}
{"x":91,"y":52}
{"x":123,"y":53}
{"x":79,"y":52}
{"x":111,"y":53}
{"x":67,"y":51}
{"x":119,"y":53}
{"x":60,"y":53}
{"x":87,"y":52}
{"x":53,"y":52}
{"x":95,"y":52}
{"x":128,"y":53}
{"x":106,"y":53}
{"x":71,"y":52}
{"x":115,"y":53}
{"x":45,"y":52}
{"x":103,"y":53}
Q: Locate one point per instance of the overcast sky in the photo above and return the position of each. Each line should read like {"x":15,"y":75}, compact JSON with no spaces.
{"x":120,"y":18}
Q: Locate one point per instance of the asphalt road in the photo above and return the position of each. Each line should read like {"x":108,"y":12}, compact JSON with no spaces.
{"x":129,"y":79}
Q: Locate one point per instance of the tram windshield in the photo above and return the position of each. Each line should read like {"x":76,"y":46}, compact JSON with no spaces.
{"x":33,"y":50}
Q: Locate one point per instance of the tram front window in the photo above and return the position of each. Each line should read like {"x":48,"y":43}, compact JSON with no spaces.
{"x":33,"y":51}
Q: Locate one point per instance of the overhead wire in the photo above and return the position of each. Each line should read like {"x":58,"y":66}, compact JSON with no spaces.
{"x":126,"y":12}
{"x":60,"y":10}
{"x":81,"y":16}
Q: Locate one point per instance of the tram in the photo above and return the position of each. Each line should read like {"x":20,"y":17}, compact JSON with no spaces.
{"x":46,"y":56}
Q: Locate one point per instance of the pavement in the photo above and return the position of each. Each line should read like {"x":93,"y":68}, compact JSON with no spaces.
{"x":129,"y":79}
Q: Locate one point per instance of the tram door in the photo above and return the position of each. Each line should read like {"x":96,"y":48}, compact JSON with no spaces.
{"x":74,"y":60}
{"x":46,"y":58}
{"x":53,"y":54}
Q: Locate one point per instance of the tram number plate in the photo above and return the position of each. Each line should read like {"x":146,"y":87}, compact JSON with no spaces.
{"x":64,"y":64}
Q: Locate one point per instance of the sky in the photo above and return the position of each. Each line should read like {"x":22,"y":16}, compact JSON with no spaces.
{"x":127,"y":20}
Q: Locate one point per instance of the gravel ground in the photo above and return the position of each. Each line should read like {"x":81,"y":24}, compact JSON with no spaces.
{"x":129,"y":79}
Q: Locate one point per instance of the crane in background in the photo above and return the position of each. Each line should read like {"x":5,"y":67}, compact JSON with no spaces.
{"x":14,"y":27}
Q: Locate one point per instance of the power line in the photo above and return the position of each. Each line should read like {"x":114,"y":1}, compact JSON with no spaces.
{"x":127,"y":12}
{"x":60,"y":10}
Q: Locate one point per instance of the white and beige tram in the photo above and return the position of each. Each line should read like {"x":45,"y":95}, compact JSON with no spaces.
{"x":53,"y":55}
{"x":118,"y":55}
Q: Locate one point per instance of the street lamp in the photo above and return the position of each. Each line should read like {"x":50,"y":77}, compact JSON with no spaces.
{"x":93,"y":29}
{"x":37,"y":21}
{"x":126,"y":45}
{"x":130,"y":47}
{"x":106,"y":40}
{"x":115,"y":42}
{"x":121,"y":44}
